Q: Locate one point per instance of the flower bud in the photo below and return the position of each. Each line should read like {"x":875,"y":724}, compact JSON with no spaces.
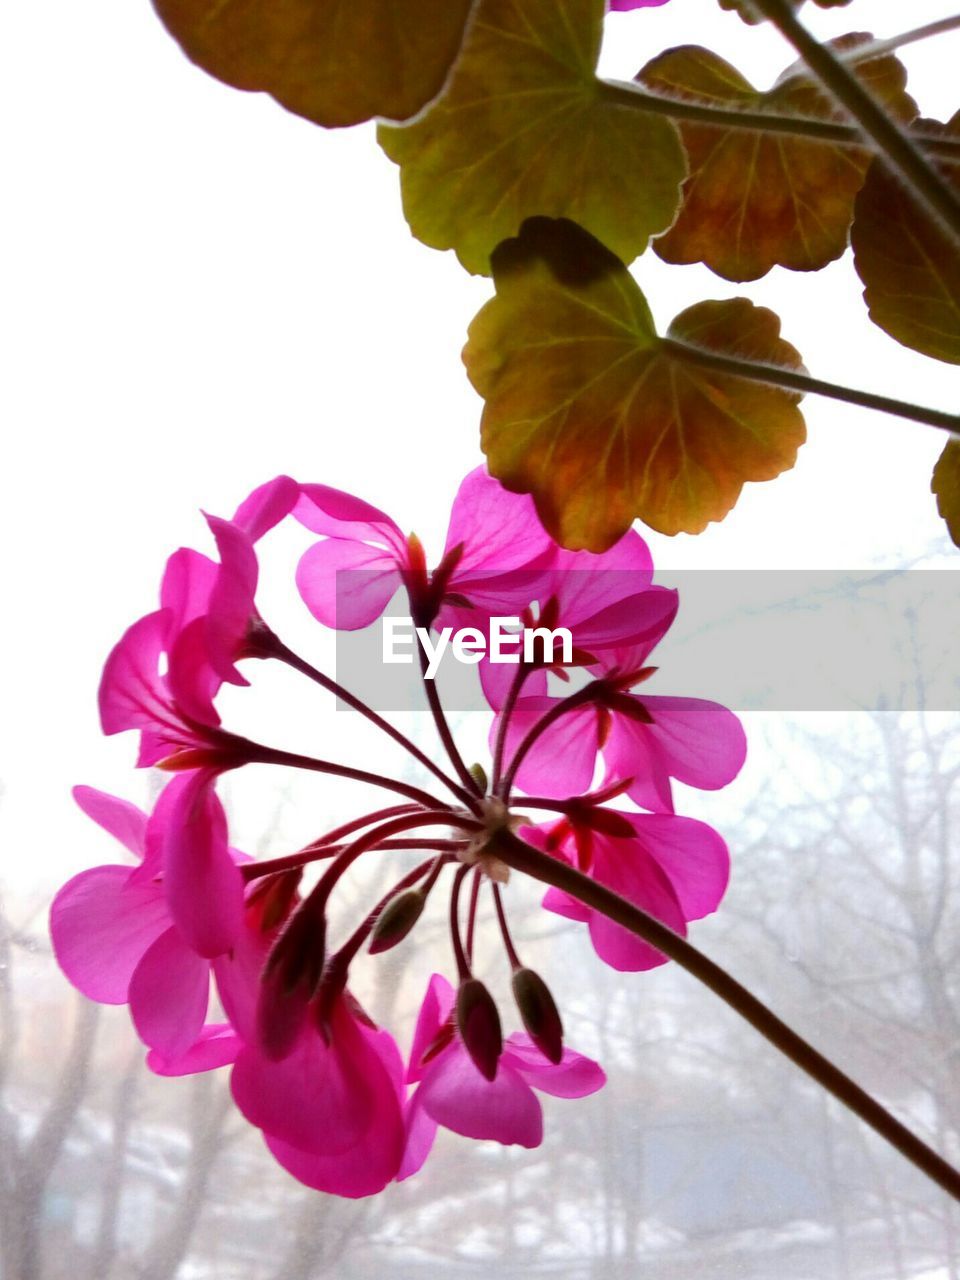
{"x":271,"y":898}
{"x":280,"y":1013}
{"x":539,"y":1013}
{"x":479,"y":775}
{"x":479,"y":1026}
{"x":396,"y":920}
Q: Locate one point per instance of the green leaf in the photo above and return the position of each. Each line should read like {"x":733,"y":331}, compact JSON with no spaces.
{"x":525,"y":128}
{"x":604,"y":421}
{"x":910,"y":268}
{"x":946,"y":485}
{"x":337,"y":62}
{"x":755,"y":201}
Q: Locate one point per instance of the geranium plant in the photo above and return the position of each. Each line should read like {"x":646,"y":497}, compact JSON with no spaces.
{"x":513,"y":153}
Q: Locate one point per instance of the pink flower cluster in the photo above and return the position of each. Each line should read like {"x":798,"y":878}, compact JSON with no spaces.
{"x":193,"y":924}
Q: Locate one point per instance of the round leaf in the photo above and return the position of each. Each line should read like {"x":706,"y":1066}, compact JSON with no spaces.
{"x":337,"y":62}
{"x":525,"y":128}
{"x":910,"y":268}
{"x":599,"y":418}
{"x":755,"y":201}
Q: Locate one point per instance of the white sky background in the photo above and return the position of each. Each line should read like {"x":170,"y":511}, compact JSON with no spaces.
{"x":200,"y":290}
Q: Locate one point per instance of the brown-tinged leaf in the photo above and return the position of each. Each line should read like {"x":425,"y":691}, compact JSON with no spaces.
{"x":337,"y":62}
{"x":749,"y":14}
{"x":910,"y":268}
{"x":525,"y":127}
{"x":754,"y":201}
{"x":946,"y":485}
{"x":602,"y":420}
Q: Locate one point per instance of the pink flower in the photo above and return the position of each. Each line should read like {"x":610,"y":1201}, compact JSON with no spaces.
{"x":452,"y":1092}
{"x":115,"y":937}
{"x":326,"y":1087}
{"x":645,"y":740}
{"x":201,"y":629}
{"x":676,"y":869}
{"x":331,"y":1112}
{"x":602,"y":600}
{"x":493,"y":537}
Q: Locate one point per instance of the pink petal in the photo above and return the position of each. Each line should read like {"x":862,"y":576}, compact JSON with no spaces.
{"x":362,"y":1170}
{"x":123,"y":820}
{"x":499,"y":530}
{"x":693,"y":856}
{"x":341,"y":515}
{"x":627,"y":869}
{"x":132,"y":694}
{"x":496,"y":679}
{"x":574,"y":1076}
{"x":638,"y":622}
{"x":585,"y":584}
{"x":185,"y":592}
{"x":421,"y":1132}
{"x":456,"y":1095}
{"x":561,"y":904}
{"x":434,"y":1011}
{"x":216,"y":1046}
{"x":204,"y":888}
{"x":266,"y":507}
{"x":625,"y":5}
{"x":238,"y":980}
{"x":630,"y":752}
{"x":192,"y":680}
{"x":371,"y":579}
{"x":563,"y":761}
{"x":321,"y":1098}
{"x":697,"y":742}
{"x":231,"y":601}
{"x":556,"y":900}
{"x":169,"y":993}
{"x":101,"y":924}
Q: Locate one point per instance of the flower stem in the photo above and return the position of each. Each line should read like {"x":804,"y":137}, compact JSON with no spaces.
{"x":506,"y":711}
{"x":269,"y":755}
{"x":472,"y":912}
{"x":256,"y":870}
{"x":463,"y":967}
{"x":777,"y":376}
{"x":280,"y":651}
{"x":443,"y":729}
{"x":630,"y":94}
{"x":892,"y":140}
{"x":541,"y":866}
{"x":515,"y":962}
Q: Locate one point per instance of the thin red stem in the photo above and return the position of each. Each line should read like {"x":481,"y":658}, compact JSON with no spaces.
{"x":280,"y":651}
{"x":443,"y":729}
{"x":506,"y":711}
{"x":505,"y":929}
{"x":370,"y":839}
{"x":463,"y":968}
{"x":269,"y":755}
{"x":256,"y":870}
{"x":472,"y":912}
